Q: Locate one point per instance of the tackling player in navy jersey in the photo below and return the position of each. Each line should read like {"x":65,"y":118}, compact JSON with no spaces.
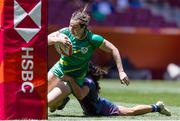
{"x":93,"y":104}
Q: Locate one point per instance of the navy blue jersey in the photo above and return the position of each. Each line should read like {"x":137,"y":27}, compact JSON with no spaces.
{"x":93,"y":104}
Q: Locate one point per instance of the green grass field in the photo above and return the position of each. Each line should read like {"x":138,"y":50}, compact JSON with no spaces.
{"x":138,"y":92}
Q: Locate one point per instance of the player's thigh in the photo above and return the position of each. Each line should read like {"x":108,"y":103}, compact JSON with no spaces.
{"x":54,"y":75}
{"x":58,"y":94}
{"x":65,"y":89}
{"x":65,"y":92}
{"x":53,"y":81}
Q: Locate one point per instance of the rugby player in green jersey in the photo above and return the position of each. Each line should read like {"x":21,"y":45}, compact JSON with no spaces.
{"x":83,"y":42}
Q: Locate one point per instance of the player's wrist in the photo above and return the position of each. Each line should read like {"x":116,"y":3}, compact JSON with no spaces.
{"x":121,"y":71}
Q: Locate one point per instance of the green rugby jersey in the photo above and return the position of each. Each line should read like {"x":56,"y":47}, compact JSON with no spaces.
{"x":77,"y":64}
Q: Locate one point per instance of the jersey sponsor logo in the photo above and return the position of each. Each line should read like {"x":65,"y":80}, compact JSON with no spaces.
{"x":84,"y":50}
{"x":22,"y":19}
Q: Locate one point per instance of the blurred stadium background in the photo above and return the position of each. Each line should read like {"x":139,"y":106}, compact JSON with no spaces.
{"x":146,"y":32}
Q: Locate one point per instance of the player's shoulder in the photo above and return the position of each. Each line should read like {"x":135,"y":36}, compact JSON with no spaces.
{"x":92,"y":35}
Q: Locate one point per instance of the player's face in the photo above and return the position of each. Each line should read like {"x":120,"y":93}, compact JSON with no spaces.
{"x":75,"y":29}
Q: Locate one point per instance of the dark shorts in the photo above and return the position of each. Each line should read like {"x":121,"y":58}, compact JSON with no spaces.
{"x":107,"y":108}
{"x":94,"y":105}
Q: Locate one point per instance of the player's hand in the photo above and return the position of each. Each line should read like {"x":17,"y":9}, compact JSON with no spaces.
{"x":124,"y":78}
{"x":63,"y":40}
{"x":66,"y":42}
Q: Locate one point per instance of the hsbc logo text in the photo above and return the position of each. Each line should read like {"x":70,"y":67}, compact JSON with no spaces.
{"x":20,"y":20}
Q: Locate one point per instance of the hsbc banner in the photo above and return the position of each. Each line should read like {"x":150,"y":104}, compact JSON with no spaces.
{"x":23,"y":59}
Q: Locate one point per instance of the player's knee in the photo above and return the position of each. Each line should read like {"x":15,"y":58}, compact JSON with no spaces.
{"x":50,"y":75}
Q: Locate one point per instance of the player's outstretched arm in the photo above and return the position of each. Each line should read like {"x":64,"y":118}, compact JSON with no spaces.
{"x":110,"y":48}
{"x":79,"y":92}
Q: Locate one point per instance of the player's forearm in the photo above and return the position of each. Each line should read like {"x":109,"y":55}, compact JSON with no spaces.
{"x":110,"y":48}
{"x":122,"y":75}
{"x":117,"y":59}
{"x":54,"y":37}
{"x":51,"y":40}
{"x":80,"y":92}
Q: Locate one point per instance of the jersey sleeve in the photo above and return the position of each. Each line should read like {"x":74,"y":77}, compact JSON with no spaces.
{"x":97,"y":40}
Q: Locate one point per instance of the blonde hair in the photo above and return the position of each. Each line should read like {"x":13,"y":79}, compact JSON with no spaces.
{"x":82,"y":16}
